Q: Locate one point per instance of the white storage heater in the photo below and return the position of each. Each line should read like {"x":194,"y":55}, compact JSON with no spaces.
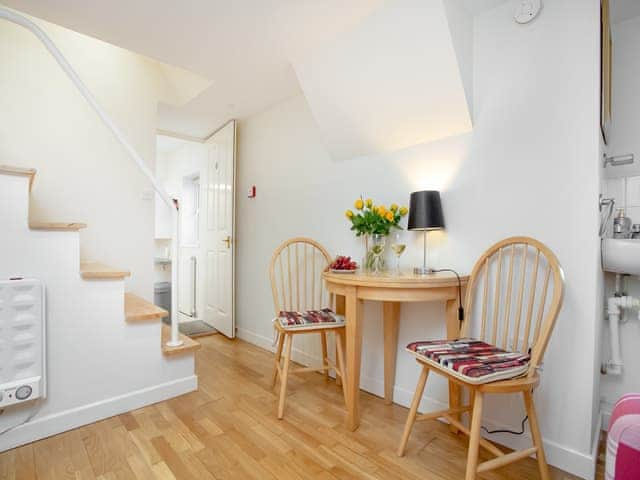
{"x":22,"y":341}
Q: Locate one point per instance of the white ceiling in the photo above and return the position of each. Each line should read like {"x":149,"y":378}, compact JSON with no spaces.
{"x":245,"y":47}
{"x":477,"y":6}
{"x":622,"y":10}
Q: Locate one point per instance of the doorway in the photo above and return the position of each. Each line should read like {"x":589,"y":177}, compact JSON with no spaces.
{"x":201,"y":175}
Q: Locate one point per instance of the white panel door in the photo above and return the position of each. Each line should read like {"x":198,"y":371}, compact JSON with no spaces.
{"x":219,"y":263}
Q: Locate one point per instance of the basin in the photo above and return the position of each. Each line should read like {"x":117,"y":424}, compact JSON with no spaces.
{"x":621,"y":255}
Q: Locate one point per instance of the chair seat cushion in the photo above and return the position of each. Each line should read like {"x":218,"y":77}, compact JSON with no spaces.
{"x":325,"y":318}
{"x":472,"y":361}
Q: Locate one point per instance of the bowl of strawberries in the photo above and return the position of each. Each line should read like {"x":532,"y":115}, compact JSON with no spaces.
{"x":343,"y":264}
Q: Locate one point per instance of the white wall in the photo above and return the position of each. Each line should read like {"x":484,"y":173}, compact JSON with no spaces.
{"x":83,"y":173}
{"x":530,"y":167}
{"x":623,"y":184}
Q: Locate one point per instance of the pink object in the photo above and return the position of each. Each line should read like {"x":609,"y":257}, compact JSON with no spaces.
{"x":623,"y":441}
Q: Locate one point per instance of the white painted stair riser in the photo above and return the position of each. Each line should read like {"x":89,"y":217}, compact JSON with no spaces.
{"x":14,"y":202}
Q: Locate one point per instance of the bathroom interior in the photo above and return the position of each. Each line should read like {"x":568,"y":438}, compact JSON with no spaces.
{"x":181,"y":167}
{"x":620,"y":209}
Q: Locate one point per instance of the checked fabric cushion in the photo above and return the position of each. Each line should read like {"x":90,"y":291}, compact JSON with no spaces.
{"x":472,"y":361}
{"x":310,"y":319}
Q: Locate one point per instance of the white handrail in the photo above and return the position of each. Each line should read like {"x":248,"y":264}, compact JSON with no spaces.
{"x":68,"y":69}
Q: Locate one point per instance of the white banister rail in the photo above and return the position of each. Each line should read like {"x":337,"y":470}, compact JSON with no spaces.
{"x":75,"y":79}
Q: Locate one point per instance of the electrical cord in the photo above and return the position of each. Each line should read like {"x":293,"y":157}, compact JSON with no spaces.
{"x":512,"y":432}
{"x":461,"y":319}
{"x":25,"y":421}
{"x":460,"y":307}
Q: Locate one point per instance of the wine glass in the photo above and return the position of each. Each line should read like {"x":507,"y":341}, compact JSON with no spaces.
{"x":398,"y":246}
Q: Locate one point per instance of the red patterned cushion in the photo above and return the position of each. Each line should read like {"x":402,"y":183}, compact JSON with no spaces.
{"x":471,"y":360}
{"x":310,"y":319}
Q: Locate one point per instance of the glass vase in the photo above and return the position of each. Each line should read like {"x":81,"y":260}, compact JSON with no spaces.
{"x":374,"y":260}
{"x":364,"y":264}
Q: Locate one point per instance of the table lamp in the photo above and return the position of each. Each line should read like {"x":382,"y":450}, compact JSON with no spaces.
{"x":425,"y":214}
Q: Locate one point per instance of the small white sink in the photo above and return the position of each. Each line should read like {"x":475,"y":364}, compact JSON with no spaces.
{"x":621,"y":255}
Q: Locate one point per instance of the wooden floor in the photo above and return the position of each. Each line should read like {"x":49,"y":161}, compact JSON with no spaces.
{"x":228,"y":430}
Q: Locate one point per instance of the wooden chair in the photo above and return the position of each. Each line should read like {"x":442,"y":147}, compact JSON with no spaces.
{"x":516,"y":313}
{"x":296,"y":283}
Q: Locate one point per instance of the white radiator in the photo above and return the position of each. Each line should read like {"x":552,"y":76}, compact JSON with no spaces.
{"x":22,"y":341}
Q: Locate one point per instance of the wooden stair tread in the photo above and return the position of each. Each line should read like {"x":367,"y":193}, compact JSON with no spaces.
{"x":189,"y":345}
{"x":27,"y":172}
{"x":97,"y":270}
{"x":137,"y":309}
{"x":57,"y":226}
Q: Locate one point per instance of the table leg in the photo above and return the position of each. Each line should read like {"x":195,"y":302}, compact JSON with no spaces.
{"x":453,"y":332}
{"x":391,"y":311}
{"x":353,"y":317}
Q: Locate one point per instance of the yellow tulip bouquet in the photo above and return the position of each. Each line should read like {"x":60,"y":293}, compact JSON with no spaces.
{"x":374,"y":219}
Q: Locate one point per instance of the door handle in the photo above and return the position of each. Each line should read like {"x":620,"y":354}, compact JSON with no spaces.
{"x":227,"y":241}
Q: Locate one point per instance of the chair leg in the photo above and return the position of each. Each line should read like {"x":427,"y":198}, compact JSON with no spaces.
{"x":474,"y":437}
{"x":413,"y":411}
{"x":535,"y":434}
{"x":285,"y":373}
{"x":341,"y":367}
{"x":325,"y":355}
{"x":472,"y":398}
{"x":278,"y":356}
{"x":340,"y":345}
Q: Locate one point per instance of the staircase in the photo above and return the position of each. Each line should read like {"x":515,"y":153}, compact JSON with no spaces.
{"x":106,"y":349}
{"x":135,"y":308}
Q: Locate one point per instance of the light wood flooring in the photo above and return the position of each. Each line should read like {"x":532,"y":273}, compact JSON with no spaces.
{"x":228,"y":430}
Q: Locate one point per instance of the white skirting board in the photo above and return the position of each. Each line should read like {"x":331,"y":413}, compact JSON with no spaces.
{"x":560,"y":456}
{"x":62,"y":421}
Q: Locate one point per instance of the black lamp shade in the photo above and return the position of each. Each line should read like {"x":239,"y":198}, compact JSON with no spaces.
{"x":425,"y":211}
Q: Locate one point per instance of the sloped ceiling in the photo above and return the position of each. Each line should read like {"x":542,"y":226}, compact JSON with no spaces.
{"x":478,"y":6}
{"x":258,"y":52}
{"x":391,"y":82}
{"x":242,"y":46}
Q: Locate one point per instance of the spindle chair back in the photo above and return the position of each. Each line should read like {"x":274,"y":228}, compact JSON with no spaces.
{"x":295,"y":272}
{"x":513,"y":297}
{"x":296,"y":276}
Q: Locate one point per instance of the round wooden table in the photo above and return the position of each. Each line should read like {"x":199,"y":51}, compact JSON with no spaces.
{"x":351,"y":289}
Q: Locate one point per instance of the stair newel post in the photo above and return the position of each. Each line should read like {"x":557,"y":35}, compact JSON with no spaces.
{"x":175,"y":265}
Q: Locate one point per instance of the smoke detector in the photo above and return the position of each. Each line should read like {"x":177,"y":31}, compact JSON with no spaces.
{"x":527,"y":10}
